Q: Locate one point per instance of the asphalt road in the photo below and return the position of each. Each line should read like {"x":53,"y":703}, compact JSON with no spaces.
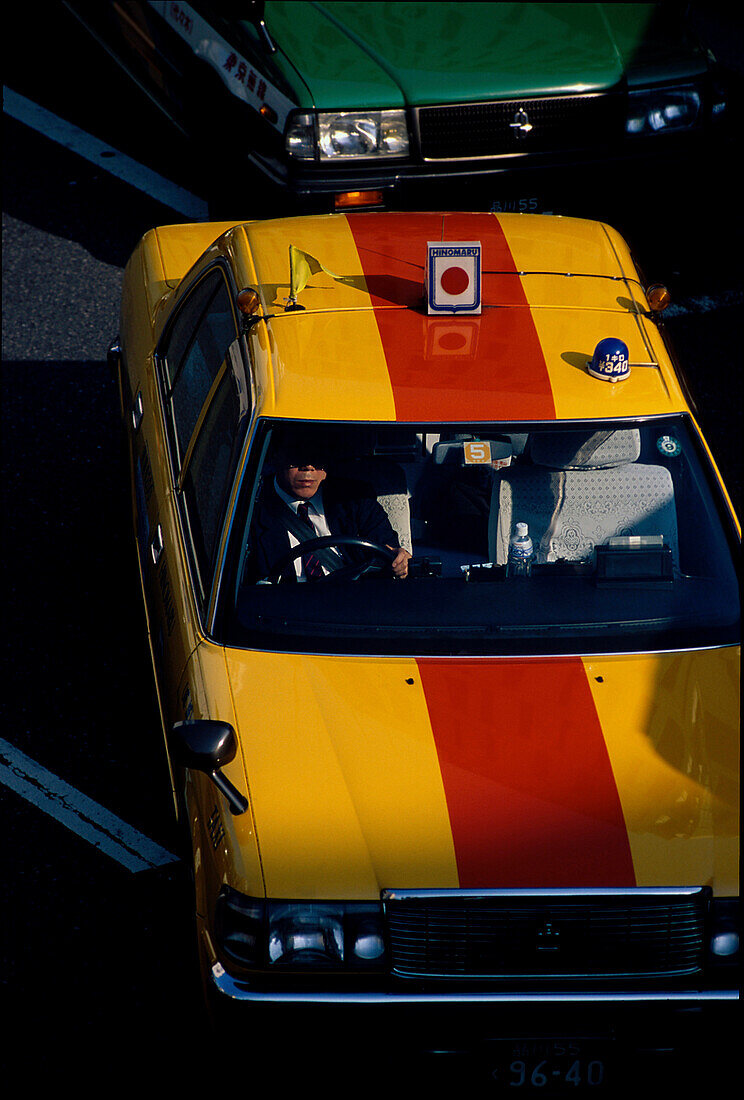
{"x":93,"y":951}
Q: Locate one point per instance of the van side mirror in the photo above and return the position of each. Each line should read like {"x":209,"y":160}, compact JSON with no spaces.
{"x":206,"y":745}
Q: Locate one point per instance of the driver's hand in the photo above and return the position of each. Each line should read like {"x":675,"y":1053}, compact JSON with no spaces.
{"x":399,"y":565}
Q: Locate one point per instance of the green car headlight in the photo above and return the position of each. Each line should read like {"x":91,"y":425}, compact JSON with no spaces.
{"x":369,"y":134}
{"x":656,"y":110}
{"x":296,"y":935}
{"x":348,"y":135}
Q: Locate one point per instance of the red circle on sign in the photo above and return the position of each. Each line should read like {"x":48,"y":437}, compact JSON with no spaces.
{"x":454,"y":280}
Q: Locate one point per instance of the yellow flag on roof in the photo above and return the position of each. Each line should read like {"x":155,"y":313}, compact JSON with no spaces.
{"x":301,"y":266}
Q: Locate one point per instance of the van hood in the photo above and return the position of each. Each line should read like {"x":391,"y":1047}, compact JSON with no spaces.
{"x":367,"y":773}
{"x":396,"y":54}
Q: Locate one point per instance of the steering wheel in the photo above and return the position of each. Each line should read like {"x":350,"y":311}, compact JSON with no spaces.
{"x":379,"y":554}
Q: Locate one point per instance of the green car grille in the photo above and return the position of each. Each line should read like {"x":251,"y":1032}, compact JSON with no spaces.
{"x":507,"y":127}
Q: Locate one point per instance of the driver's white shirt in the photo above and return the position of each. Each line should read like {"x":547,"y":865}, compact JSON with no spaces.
{"x":316,"y":515}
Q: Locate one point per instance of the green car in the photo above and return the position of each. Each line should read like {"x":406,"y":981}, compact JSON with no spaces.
{"x":355,"y":103}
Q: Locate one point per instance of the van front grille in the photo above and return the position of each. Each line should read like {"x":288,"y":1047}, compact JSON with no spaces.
{"x":514,"y":936}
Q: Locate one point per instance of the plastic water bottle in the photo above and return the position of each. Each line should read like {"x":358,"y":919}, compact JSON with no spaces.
{"x":521,"y":554}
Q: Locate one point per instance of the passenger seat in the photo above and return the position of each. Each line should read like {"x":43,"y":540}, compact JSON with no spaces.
{"x":580,"y":490}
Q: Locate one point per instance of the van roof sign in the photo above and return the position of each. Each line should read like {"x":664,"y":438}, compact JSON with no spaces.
{"x":453,"y":277}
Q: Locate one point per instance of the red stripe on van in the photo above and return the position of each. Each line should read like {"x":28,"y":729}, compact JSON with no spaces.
{"x":528,"y":781}
{"x":452,"y":368}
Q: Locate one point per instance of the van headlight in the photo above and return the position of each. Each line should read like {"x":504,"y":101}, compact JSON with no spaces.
{"x":659,"y":110}
{"x":348,"y":135}
{"x":724,"y":928}
{"x":300,"y":935}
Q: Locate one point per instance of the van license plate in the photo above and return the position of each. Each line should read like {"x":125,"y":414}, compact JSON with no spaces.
{"x":550,"y":1065}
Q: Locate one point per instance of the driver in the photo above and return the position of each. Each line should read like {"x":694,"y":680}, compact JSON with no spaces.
{"x":303,"y":502}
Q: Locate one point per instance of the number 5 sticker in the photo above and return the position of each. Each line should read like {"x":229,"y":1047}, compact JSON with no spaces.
{"x":476,"y":452}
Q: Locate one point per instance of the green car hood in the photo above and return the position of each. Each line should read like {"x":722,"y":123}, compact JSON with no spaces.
{"x":353,"y":55}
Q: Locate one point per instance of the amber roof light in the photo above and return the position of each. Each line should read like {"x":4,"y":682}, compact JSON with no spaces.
{"x":248,"y":302}
{"x":658,"y":297}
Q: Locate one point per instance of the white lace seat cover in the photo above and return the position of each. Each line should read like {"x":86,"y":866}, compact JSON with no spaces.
{"x":582,"y":489}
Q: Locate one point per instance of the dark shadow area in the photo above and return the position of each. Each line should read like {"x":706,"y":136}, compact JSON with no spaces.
{"x":75,"y":628}
{"x":96,"y":958}
{"x":90,"y":207}
{"x":706,"y":348}
{"x":396,"y":291}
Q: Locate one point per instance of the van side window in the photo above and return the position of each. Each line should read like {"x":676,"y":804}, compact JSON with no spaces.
{"x":206,"y":400}
{"x":209,"y":474}
{"x":194,"y":353}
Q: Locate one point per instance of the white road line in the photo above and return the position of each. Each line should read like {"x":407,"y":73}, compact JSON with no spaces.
{"x":103,"y":156}
{"x":77,"y":812}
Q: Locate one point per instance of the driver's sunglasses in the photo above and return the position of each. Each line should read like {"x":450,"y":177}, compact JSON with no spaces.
{"x":306,"y":462}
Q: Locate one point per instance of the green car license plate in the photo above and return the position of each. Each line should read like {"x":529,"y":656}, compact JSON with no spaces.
{"x":518,"y":204}
{"x":549,"y":1066}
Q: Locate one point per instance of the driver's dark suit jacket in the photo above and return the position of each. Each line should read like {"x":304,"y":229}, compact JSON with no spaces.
{"x":347,"y":512}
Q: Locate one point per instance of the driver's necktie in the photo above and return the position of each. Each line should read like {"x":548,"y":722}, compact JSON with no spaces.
{"x":312,"y":567}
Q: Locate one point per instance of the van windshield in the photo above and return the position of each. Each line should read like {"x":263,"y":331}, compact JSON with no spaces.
{"x":524,"y":539}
